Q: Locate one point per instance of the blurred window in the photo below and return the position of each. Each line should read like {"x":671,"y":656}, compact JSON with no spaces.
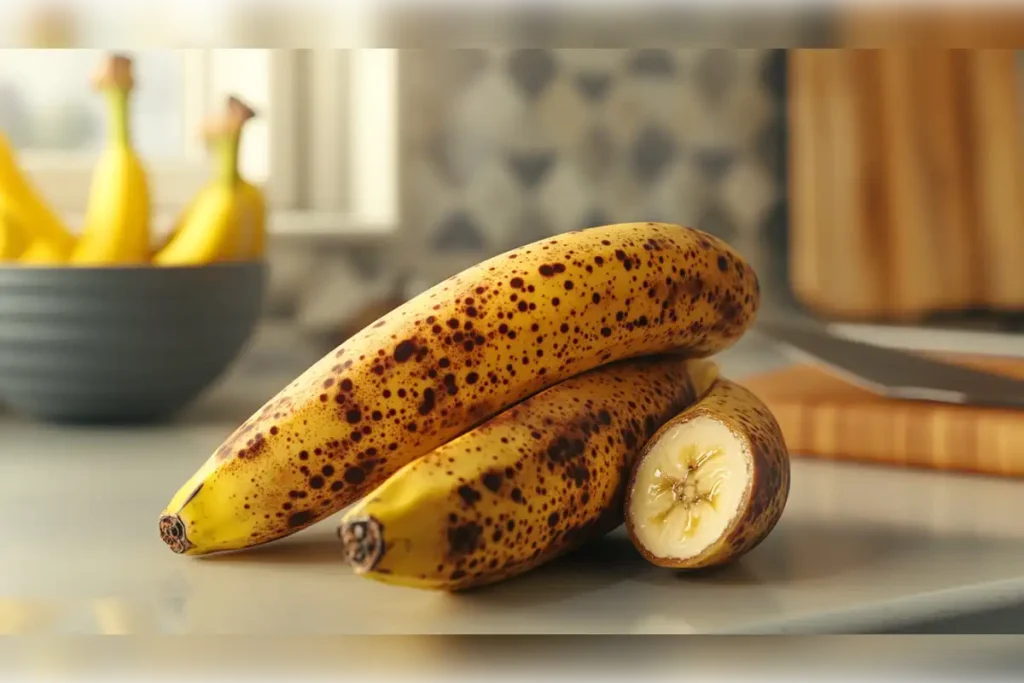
{"x":324,"y":116}
{"x":58,"y":123}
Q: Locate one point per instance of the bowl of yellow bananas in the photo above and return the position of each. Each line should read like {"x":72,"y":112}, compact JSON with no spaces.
{"x":121,"y":344}
{"x":107,"y":324}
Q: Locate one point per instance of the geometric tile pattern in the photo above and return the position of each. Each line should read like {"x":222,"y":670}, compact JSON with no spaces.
{"x":502,"y":147}
{"x":521,"y":144}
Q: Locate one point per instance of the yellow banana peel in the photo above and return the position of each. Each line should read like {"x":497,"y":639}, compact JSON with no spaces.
{"x":117,"y":219}
{"x":21,"y":201}
{"x":227,"y":219}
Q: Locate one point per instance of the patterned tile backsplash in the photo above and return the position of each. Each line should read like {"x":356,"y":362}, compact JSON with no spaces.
{"x":502,"y":147}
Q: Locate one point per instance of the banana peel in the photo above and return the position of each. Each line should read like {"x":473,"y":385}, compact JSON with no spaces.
{"x":117,"y":219}
{"x":227,"y":219}
{"x":13,"y":239}
{"x":22,"y":203}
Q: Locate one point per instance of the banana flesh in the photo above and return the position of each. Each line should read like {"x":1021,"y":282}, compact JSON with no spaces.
{"x":711,"y":484}
{"x":525,"y":487}
{"x":454,"y":356}
{"x":698,"y":476}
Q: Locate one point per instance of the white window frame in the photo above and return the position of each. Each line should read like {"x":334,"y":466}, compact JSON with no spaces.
{"x":64,"y":177}
{"x":332,"y":139}
{"x":351,"y":169}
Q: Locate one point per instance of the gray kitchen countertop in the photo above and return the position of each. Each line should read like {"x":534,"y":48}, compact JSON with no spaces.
{"x":860,"y":548}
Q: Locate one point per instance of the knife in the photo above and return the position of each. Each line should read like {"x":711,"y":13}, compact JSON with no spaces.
{"x":895,"y":373}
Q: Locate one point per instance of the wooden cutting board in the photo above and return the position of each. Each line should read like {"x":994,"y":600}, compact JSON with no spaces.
{"x":904,"y":182}
{"x":823,"y":416}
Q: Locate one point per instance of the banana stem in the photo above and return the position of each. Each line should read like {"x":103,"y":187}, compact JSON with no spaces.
{"x":120,"y":129}
{"x":223,"y":136}
{"x":227,"y":159}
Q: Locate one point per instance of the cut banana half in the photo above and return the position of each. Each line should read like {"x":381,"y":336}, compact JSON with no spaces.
{"x":711,"y":484}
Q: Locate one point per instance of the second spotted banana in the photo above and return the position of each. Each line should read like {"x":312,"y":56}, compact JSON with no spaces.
{"x":529,"y":485}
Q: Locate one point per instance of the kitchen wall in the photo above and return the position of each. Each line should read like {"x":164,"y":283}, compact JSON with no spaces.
{"x":502,"y":147}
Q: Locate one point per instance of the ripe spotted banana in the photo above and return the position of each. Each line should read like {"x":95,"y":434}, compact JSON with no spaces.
{"x":531,"y":484}
{"x":457,"y":354}
{"x":117,"y":218}
{"x":711,"y":484}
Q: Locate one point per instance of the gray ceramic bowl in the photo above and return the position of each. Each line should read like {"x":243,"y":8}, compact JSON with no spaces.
{"x":121,"y":344}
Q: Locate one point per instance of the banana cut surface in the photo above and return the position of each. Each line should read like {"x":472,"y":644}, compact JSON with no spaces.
{"x":711,"y":484}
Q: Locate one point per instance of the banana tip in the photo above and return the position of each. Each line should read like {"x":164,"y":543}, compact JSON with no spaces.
{"x":172,"y":532}
{"x":363,"y":542}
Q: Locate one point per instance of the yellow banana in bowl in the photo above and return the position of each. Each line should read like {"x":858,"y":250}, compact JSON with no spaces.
{"x":49,"y":240}
{"x":42,"y":252}
{"x":117,"y":218}
{"x":13,"y":239}
{"x":253,"y":202}
{"x":255,"y":211}
{"x":226,"y":220}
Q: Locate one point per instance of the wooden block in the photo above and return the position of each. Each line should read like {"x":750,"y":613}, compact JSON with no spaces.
{"x":823,"y":416}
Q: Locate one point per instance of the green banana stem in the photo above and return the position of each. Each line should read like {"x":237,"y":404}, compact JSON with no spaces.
{"x":227,"y":159}
{"x":120,"y":129}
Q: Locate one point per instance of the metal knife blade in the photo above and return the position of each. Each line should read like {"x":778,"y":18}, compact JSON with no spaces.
{"x":896,"y":373}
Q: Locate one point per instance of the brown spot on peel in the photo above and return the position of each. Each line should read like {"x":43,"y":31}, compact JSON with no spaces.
{"x":300,"y":519}
{"x":463,"y":539}
{"x":404,"y":351}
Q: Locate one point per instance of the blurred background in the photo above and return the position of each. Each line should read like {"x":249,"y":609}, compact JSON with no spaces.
{"x":864,"y":184}
{"x":868,"y":163}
